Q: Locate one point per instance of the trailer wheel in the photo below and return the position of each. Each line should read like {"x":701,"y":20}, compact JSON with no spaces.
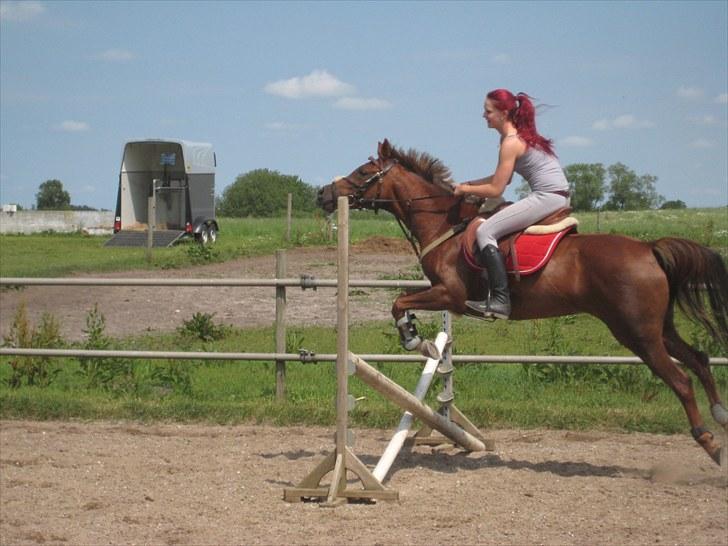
{"x":203,"y":237}
{"x":211,"y":234}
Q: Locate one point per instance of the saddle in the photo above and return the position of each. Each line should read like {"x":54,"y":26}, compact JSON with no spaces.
{"x":528,"y":250}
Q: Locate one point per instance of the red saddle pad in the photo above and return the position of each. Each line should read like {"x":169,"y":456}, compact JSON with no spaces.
{"x":532,"y":251}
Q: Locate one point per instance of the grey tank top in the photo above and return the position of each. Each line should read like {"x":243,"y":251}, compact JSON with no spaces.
{"x":542,"y":171}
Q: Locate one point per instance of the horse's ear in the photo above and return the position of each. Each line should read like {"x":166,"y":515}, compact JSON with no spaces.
{"x":385,"y":149}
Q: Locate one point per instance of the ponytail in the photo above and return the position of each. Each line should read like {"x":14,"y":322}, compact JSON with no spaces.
{"x":522,"y":114}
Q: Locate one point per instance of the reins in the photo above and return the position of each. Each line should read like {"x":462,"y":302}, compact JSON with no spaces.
{"x":357,"y":199}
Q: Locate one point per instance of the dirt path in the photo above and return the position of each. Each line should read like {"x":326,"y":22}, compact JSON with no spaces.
{"x":125,"y":483}
{"x":132,"y":310}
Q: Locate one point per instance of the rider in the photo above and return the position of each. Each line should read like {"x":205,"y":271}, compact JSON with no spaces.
{"x":525,"y":151}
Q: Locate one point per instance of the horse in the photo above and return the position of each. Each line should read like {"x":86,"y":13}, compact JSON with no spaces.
{"x":630,"y":285}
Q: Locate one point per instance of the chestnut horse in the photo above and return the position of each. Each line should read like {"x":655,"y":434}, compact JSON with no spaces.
{"x":630,"y":285}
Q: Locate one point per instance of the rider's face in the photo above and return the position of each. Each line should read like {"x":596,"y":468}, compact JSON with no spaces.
{"x":494,"y":117}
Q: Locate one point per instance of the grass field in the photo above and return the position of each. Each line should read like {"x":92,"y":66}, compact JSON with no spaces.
{"x":53,"y":255}
{"x":614,"y":397}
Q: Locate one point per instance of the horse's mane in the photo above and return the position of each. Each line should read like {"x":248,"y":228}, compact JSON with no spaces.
{"x":429,"y":168}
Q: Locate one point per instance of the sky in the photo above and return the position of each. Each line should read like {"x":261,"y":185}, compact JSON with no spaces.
{"x":309,"y":88}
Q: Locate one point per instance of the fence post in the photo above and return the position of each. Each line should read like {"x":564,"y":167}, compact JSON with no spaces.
{"x":151,"y":219}
{"x":280,"y":325}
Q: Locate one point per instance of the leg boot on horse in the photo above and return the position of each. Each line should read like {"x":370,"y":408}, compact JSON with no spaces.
{"x":498,"y":301}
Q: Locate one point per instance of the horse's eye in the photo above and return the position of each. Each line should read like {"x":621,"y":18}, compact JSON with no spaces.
{"x":362,"y":172}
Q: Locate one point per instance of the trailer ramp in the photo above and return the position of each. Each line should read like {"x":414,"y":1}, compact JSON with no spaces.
{"x":160,"y":238}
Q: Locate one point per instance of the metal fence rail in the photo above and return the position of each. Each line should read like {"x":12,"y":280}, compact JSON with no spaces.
{"x":309,"y":357}
{"x":304,"y":282}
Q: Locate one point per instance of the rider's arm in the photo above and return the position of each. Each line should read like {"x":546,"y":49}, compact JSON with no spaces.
{"x":494,"y":185}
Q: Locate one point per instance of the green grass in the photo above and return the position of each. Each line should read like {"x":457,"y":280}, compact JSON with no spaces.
{"x":493,"y":396}
{"x":57,"y":255}
{"x":614,"y":398}
{"x":706,"y":226}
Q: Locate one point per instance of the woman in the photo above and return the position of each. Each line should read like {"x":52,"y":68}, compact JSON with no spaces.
{"x":524,"y":151}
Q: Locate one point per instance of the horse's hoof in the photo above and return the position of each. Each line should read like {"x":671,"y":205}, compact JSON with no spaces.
{"x":716,"y":456}
{"x":429,"y":349}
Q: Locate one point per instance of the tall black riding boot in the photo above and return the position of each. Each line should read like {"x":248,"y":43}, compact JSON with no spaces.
{"x":498,"y":302}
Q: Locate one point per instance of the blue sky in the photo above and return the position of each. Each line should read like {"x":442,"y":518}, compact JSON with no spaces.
{"x":308,"y":88}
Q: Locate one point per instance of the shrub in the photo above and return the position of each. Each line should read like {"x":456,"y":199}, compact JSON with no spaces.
{"x":32,"y":370}
{"x":202,"y":326}
{"x":109,"y":374}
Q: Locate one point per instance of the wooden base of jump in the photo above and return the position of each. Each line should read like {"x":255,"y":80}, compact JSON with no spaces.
{"x":339,"y":490}
{"x":461,"y":432}
{"x":426,"y":436}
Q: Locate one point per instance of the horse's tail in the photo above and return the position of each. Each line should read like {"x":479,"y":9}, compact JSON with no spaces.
{"x":692,"y":271}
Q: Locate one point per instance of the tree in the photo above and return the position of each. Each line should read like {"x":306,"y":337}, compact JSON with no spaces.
{"x":675,"y":204}
{"x":631,"y":192}
{"x":52,"y":196}
{"x":264,"y":193}
{"x":586,"y":183}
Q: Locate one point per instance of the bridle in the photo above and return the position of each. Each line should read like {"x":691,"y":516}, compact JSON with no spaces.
{"x":357,"y":200}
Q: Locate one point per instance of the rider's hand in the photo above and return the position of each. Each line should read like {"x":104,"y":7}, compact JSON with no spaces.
{"x":460,"y":190}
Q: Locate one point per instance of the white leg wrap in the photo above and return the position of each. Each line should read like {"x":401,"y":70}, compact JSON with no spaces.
{"x":720,"y":414}
{"x":412,"y":344}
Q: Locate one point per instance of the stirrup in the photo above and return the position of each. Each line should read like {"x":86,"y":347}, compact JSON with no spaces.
{"x":482,"y":307}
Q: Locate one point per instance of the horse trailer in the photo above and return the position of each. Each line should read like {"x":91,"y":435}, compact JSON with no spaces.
{"x":167,"y":186}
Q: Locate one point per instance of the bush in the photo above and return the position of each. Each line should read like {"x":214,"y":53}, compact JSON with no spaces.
{"x":32,"y":370}
{"x":264,"y":193}
{"x":675,"y":204}
{"x":109,"y":374}
{"x":202,"y":326}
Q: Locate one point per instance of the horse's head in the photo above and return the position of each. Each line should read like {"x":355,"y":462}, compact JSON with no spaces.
{"x":364,"y":184}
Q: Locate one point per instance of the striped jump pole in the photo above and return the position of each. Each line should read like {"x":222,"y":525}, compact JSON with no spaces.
{"x":400,"y":435}
{"x":403,"y":398}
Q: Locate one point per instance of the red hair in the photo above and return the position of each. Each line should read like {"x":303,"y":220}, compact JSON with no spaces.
{"x":522,"y":114}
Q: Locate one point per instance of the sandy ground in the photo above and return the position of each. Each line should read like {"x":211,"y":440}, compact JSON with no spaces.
{"x":125,"y":483}
{"x":131,"y":310}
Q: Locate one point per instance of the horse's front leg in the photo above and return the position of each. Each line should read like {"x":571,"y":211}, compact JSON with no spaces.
{"x":436,"y":298}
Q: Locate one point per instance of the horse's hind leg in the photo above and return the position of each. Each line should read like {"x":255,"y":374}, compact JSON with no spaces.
{"x":698,"y":362}
{"x":658,"y":359}
{"x":645,"y":340}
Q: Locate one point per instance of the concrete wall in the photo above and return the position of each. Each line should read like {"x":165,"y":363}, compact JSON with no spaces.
{"x":66,"y":221}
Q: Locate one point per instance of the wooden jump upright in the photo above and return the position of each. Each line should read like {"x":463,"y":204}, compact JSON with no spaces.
{"x":342,"y":460}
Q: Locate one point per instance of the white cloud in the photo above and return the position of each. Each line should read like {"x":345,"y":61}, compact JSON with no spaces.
{"x":20,"y":11}
{"x":72,"y":126}
{"x":318,"y":83}
{"x":722,"y":98}
{"x":281,"y":126}
{"x":625,"y":121}
{"x":702,"y":143}
{"x":704,"y":120}
{"x":690,"y":93}
{"x":501,"y":58}
{"x":114,"y":56}
{"x":358,"y":103}
{"x":577,"y":142}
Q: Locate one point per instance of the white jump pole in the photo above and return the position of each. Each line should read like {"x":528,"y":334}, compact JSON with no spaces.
{"x":400,"y":435}
{"x":402,"y":397}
